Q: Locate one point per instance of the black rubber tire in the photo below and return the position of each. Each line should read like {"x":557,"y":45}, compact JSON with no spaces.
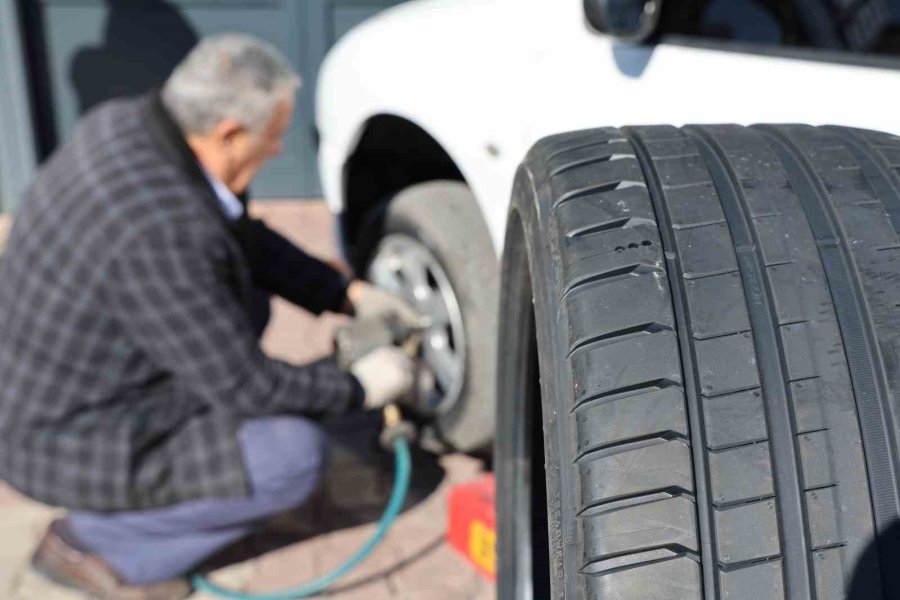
{"x":444,"y":216}
{"x":715,"y":325}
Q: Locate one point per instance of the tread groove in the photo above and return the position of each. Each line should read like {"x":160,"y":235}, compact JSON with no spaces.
{"x":829,"y":546}
{"x":674,"y":156}
{"x":684,"y":186}
{"x":727,"y":447}
{"x":748,"y":563}
{"x":556,"y":153}
{"x":693,"y":277}
{"x":623,"y":223}
{"x":742,"y":502}
{"x":617,"y":503}
{"x":675,"y":550}
{"x":629,"y":444}
{"x":880,"y":176}
{"x":628,"y":390}
{"x":613,"y":337}
{"x":792,"y":322}
{"x":599,"y":188}
{"x":715,"y":336}
{"x":702,"y":484}
{"x":771,"y":364}
{"x":824,"y":486}
{"x":608,"y":276}
{"x":866,"y":371}
{"x":816,"y":430}
{"x":729,"y":392}
{"x":698,"y":225}
{"x":587,"y":162}
{"x":605,"y":226}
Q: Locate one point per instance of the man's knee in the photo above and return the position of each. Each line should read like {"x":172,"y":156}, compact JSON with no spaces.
{"x":284,"y":455}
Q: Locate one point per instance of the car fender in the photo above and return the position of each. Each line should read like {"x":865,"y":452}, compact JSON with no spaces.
{"x":372,"y":72}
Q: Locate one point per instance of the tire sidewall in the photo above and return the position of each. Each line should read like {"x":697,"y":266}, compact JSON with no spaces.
{"x":526,"y":203}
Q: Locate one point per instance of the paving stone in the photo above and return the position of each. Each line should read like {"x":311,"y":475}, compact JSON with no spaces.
{"x":9,"y":496}
{"x":307,"y":223}
{"x":234,"y":577}
{"x":286,"y":567}
{"x":374,"y":575}
{"x":22,"y":523}
{"x":376,"y":590}
{"x":486,"y":590}
{"x":31,"y":586}
{"x":419,"y":530}
{"x":461,"y":468}
{"x":336,"y":547}
{"x":5,"y":224}
{"x":438,"y":574}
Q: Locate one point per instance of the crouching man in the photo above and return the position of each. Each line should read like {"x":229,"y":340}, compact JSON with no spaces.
{"x":133,"y":390}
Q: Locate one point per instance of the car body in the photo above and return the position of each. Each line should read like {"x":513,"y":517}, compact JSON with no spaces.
{"x":485,"y":79}
{"x":432,"y":90}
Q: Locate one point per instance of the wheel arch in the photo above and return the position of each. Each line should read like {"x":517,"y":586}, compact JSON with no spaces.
{"x":393,"y":153}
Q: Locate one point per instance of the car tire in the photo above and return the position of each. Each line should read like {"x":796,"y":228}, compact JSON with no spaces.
{"x":442,"y":220}
{"x":699,"y":370}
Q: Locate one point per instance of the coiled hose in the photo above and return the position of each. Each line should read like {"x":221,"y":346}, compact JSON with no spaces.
{"x":395,"y":503}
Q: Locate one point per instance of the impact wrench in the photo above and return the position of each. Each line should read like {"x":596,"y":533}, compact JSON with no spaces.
{"x":352,"y":342}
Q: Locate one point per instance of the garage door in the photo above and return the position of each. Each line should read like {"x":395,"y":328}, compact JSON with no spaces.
{"x":85,"y":51}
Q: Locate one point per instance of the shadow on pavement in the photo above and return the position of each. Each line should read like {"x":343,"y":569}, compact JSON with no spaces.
{"x":419,"y":554}
{"x":355,"y":492}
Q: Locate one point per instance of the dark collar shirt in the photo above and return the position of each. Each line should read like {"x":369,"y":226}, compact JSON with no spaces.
{"x":128,"y":356}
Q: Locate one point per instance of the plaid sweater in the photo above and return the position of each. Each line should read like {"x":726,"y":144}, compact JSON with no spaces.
{"x":127,"y":352}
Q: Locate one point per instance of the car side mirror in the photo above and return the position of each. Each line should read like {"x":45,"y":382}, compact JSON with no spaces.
{"x":627,"y":20}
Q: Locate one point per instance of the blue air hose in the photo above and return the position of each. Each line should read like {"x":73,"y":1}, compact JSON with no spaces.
{"x":316,"y":586}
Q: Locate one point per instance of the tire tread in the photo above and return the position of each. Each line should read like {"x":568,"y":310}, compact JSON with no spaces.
{"x":704,"y":333}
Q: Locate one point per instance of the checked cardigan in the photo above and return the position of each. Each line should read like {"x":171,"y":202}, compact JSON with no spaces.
{"x":127,"y":353}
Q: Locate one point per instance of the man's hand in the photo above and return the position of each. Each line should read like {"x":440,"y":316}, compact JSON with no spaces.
{"x":386,"y":375}
{"x":370,"y":302}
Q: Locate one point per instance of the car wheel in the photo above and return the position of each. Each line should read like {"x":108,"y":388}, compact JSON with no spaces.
{"x":436,"y":252}
{"x":699,"y":370}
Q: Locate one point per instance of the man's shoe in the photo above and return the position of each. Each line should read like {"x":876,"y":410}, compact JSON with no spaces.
{"x":59,"y":558}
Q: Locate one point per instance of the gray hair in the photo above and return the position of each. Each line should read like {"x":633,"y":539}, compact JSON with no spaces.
{"x":228,"y":75}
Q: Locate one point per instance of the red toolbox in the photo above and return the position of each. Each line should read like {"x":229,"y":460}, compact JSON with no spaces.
{"x":471,"y":526}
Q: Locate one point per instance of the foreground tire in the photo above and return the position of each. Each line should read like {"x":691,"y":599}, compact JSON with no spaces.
{"x":436,"y":252}
{"x":707,"y":379}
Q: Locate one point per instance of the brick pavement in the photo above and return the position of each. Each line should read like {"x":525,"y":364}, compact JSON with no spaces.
{"x":4,"y":229}
{"x":413,"y":563}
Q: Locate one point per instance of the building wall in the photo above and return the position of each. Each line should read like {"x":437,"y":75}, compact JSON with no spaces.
{"x":18,"y":155}
{"x":82,"y":52}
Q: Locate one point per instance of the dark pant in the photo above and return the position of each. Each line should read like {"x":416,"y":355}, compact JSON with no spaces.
{"x":285,"y":459}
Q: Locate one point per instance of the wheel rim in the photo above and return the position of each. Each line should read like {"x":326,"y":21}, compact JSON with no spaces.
{"x":405,"y":266}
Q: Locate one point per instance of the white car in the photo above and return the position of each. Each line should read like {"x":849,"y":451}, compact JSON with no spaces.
{"x":677,"y":358}
{"x":458,"y":90}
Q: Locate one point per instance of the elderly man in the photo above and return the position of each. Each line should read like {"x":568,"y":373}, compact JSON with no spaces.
{"x":133,"y":390}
